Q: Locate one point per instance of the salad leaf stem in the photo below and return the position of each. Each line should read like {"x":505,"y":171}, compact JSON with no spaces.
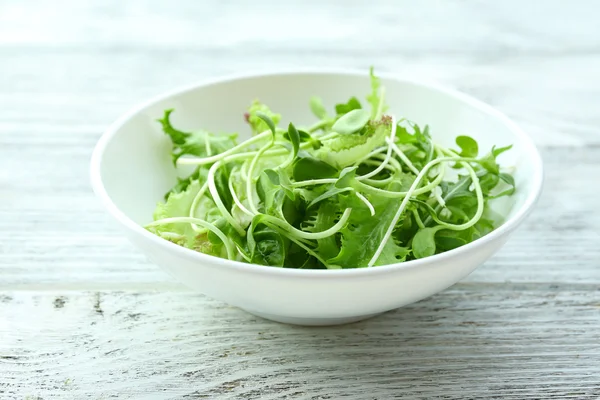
{"x":403,"y":157}
{"x":209,"y":160}
{"x":246,"y":155}
{"x":308,"y":235}
{"x":236,"y":199}
{"x":388,"y":155}
{"x":217,"y":199}
{"x":207,"y":145}
{"x":330,"y":193}
{"x":396,"y":195}
{"x":393,"y":163}
{"x":195,"y":202}
{"x":478,"y":192}
{"x":319,"y":125}
{"x":171,"y":235}
{"x":367,"y":202}
{"x":303,"y":246}
{"x":312,"y":182}
{"x":250,"y":181}
{"x":380,"y":182}
{"x":243,"y":255}
{"x":373,"y":153}
{"x":244,"y":169}
{"x":418,"y":218}
{"x":438,"y":197}
{"x":295,"y":139}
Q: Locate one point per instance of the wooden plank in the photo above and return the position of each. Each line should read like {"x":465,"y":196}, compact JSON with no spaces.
{"x":472,"y":341}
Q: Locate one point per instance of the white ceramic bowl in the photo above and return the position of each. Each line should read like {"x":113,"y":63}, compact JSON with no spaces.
{"x":131,"y":170}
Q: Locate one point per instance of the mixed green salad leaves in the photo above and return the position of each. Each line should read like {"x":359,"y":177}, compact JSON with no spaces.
{"x":358,"y":188}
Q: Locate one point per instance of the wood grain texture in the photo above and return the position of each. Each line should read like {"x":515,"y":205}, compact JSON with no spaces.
{"x":83,"y":315}
{"x":472,"y":341}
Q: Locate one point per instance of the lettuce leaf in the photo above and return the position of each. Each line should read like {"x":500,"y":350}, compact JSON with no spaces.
{"x":257,"y":124}
{"x":345,"y":150}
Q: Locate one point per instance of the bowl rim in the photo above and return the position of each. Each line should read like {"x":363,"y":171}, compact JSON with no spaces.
{"x":213,"y":261}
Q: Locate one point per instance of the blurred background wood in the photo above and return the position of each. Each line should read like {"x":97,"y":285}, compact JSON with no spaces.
{"x":84,"y":315}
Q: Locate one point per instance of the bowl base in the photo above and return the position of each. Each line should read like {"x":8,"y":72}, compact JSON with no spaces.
{"x":312,"y":321}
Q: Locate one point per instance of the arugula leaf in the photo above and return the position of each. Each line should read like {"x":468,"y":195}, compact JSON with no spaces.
{"x":423,"y":244}
{"x":497,"y":151}
{"x":292,"y":210}
{"x":468,"y":146}
{"x":424,"y":142}
{"x":488,"y":182}
{"x":297,"y":257}
{"x":402,"y":135}
{"x":446,"y":239}
{"x":418,"y":146}
{"x":343,"y":108}
{"x":489,"y":160}
{"x":307,"y":168}
{"x":508,"y":180}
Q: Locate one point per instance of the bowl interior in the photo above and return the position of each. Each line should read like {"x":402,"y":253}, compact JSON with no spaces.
{"x":136,"y":168}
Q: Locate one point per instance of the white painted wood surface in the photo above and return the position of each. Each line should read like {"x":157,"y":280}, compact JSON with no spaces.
{"x":83,"y":315}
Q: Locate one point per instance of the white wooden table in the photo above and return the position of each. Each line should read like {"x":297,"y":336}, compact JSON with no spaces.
{"x":84,"y":315}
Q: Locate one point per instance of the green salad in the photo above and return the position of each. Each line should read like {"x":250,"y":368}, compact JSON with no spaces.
{"x":359,"y":187}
